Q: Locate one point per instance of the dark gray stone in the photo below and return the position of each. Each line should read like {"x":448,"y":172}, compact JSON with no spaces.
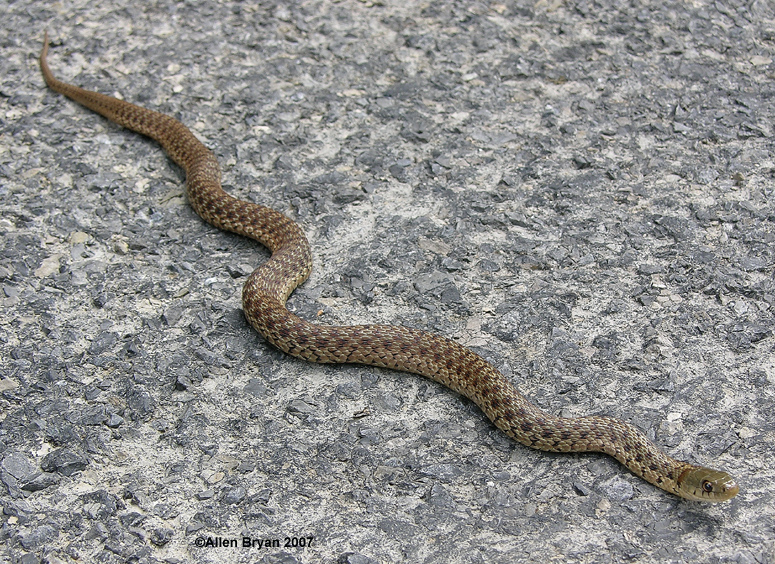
{"x":64,"y":461}
{"x":39,"y":537}
{"x":234,"y":495}
{"x":18,"y":466}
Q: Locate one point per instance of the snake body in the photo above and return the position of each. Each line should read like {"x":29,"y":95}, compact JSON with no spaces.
{"x":399,"y":348}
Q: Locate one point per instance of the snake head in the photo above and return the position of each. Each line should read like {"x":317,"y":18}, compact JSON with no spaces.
{"x":704,"y":484}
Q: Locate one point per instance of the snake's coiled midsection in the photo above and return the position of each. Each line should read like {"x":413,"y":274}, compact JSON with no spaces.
{"x":400,"y":348}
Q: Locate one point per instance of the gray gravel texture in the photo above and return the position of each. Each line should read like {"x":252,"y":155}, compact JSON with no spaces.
{"x":580,"y":191}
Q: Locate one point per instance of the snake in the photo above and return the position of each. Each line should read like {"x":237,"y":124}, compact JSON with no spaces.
{"x":405,"y":349}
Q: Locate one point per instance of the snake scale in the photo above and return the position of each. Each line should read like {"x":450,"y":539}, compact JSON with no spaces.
{"x":399,"y":348}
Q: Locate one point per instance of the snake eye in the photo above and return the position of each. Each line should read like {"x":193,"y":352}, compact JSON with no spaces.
{"x":707,"y":487}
